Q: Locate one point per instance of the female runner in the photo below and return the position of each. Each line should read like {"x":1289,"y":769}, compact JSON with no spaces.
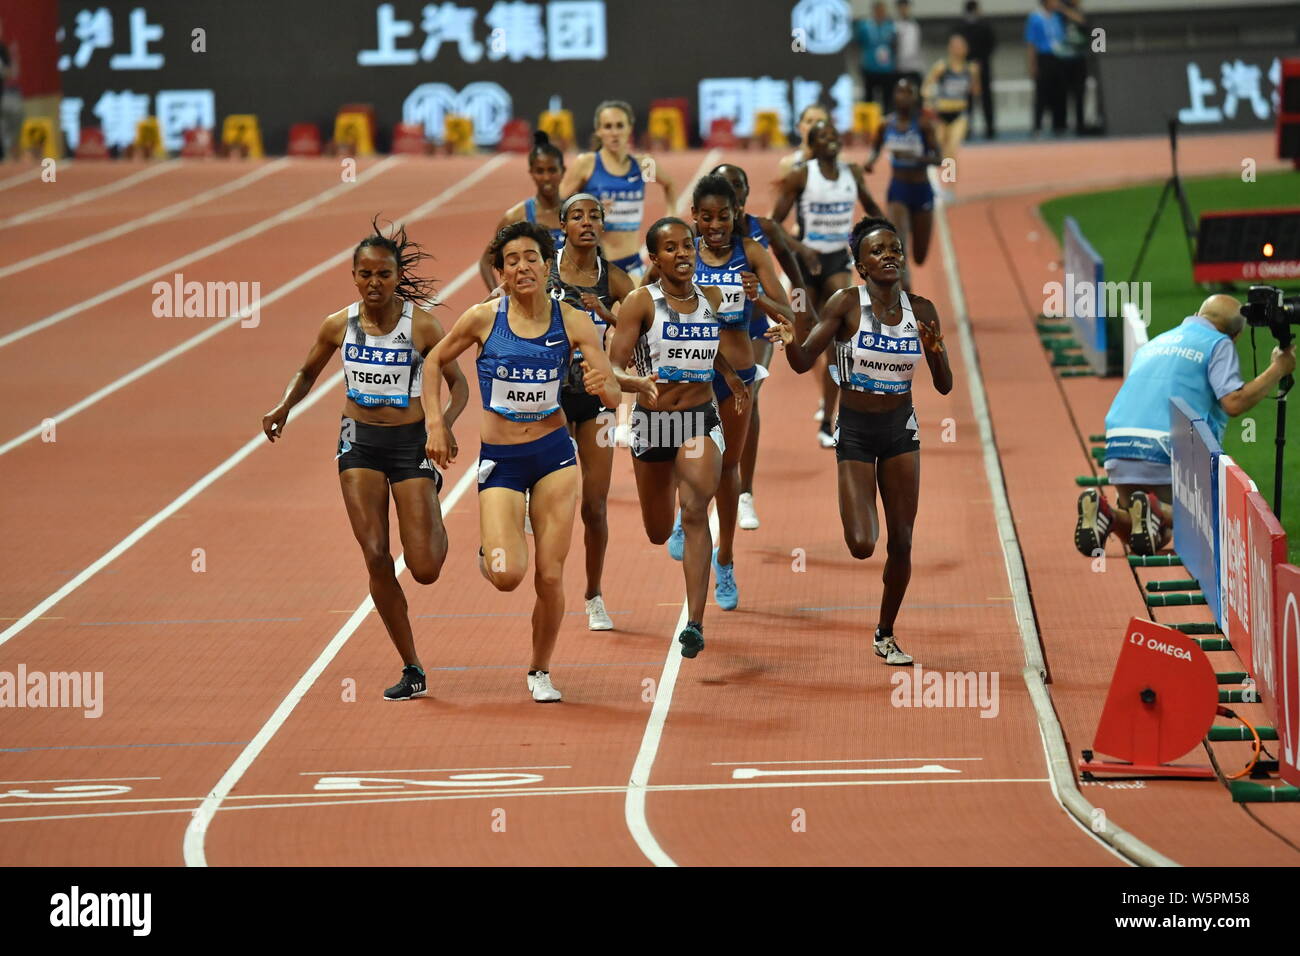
{"x":825,"y":189}
{"x":546,"y":166}
{"x":743,"y":272}
{"x":879,"y":333}
{"x":670,"y":328}
{"x":581,"y":277}
{"x":382,"y":447}
{"x":525,"y":341}
{"x":912,"y":145}
{"x":949,"y":88}
{"x":614,"y":175}
{"x":812,"y":114}
{"x":794,"y":258}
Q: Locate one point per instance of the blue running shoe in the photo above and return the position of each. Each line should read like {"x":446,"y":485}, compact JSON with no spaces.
{"x":677,"y":540}
{"x":724,"y":591}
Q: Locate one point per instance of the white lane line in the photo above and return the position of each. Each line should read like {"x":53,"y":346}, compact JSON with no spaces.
{"x":320,"y":391}
{"x":750,"y":773}
{"x":97,"y":193}
{"x":1061,"y":772}
{"x":148,"y":220}
{"x":760,"y":763}
{"x":209,"y":250}
{"x":292,"y":285}
{"x":639,"y":783}
{"x":27,"y":176}
{"x":81,"y":780}
{"x":196,"y":832}
{"x":684,"y":200}
{"x":529,"y":792}
{"x":354,"y":773}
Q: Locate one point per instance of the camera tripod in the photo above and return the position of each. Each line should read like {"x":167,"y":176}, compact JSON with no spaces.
{"x":1174,"y":184}
{"x":1279,"y":440}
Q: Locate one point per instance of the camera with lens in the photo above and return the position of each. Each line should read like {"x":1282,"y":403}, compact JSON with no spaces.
{"x":1266,"y":307}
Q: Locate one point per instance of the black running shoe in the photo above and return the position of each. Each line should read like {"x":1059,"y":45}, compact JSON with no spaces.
{"x":1094,"y":523}
{"x":412,"y":684}
{"x":1145,"y":536}
{"x":692,"y":640}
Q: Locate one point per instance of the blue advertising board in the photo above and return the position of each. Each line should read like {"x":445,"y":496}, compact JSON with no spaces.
{"x":1084,"y":298}
{"x":1195,"y":466}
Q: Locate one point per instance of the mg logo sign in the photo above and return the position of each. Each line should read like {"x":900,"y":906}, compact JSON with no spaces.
{"x":487,"y":105}
{"x":823,"y":25}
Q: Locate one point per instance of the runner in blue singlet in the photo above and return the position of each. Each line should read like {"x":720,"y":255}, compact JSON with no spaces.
{"x":913,"y":147}
{"x":546,"y":166}
{"x":618,"y":179}
{"x":525,"y":341}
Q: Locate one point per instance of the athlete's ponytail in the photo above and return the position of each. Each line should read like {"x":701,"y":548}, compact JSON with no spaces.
{"x":407,"y":255}
{"x":542,"y":146}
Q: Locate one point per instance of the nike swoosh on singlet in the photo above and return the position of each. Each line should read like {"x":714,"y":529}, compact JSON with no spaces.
{"x":739,"y":265}
{"x":555,"y":343}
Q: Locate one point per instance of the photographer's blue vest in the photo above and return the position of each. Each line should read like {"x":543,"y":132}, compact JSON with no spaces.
{"x":1174,"y":364}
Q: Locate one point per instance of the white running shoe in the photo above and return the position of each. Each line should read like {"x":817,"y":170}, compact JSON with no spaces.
{"x":748,"y":517}
{"x":825,"y":439}
{"x":544,"y":691}
{"x":891,"y":652}
{"x":528,"y":522}
{"x":820,"y":414}
{"x":597,"y":616}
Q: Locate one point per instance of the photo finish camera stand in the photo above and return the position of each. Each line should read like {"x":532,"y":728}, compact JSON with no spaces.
{"x":1173,"y":184}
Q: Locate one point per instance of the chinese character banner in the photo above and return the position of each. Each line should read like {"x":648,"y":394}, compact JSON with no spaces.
{"x":1234,"y":88}
{"x":295,"y":61}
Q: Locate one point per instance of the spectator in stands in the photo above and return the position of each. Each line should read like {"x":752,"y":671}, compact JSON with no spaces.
{"x":909,"y":62}
{"x":876,"y":41}
{"x":1197,"y":362}
{"x":981,"y":42}
{"x":5,"y":63}
{"x":1043,"y":36}
{"x":1073,"y":54}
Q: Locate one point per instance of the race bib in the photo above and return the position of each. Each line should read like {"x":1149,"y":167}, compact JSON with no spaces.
{"x":688,"y":352}
{"x":525,"y":391}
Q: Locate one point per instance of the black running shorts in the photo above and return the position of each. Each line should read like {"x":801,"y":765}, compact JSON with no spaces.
{"x":875,"y":436}
{"x":396,"y":450}
{"x":579,"y":405}
{"x":833,"y":263}
{"x":656,"y":436}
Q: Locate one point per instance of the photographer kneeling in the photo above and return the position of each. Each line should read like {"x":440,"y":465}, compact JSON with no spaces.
{"x":1197,"y":362}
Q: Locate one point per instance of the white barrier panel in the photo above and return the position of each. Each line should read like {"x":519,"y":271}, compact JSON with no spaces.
{"x":1135,"y":333}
